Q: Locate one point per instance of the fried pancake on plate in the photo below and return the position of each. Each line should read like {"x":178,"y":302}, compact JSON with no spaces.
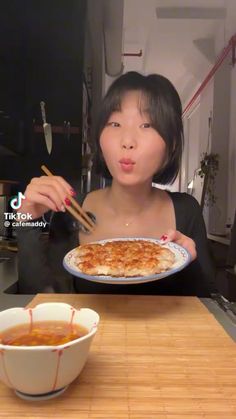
{"x":124,"y":258}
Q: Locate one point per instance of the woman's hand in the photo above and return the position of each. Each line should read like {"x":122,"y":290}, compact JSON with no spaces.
{"x":46,"y":193}
{"x":182,"y":240}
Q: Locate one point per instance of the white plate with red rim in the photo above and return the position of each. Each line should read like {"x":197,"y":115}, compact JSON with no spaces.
{"x":182,"y":259}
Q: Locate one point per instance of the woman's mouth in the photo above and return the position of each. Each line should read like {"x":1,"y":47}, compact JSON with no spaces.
{"x":127,"y":165}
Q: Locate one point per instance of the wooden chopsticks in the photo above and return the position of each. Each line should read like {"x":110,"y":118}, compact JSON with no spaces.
{"x":80,"y":214}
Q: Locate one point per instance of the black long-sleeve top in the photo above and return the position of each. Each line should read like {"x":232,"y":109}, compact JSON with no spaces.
{"x":40,"y":261}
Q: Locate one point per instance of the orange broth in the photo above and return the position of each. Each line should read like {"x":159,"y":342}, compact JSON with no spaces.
{"x":40,"y":333}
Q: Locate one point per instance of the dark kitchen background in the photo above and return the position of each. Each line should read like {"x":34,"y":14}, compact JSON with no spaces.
{"x":41,"y":59}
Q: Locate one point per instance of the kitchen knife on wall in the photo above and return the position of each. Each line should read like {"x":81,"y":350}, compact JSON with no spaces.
{"x":47,"y":129}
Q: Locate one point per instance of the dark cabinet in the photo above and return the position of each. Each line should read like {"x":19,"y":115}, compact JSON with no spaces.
{"x":225,"y":275}
{"x":41,"y":54}
{"x":12,"y":83}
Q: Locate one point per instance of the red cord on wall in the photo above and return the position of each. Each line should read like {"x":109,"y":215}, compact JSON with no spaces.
{"x":230,"y":47}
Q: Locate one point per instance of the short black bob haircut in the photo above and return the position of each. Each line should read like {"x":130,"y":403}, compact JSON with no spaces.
{"x":163,"y":106}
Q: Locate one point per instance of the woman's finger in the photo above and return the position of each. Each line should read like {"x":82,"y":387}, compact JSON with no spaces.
{"x":44,"y":194}
{"x":179,"y":238}
{"x":53,"y":182}
{"x":66,"y":185}
{"x":45,"y":201}
{"x":58,"y":181}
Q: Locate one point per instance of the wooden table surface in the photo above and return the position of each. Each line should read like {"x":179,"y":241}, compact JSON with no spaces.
{"x":154,"y":357}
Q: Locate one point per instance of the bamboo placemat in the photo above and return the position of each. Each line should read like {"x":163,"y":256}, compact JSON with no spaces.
{"x":154,"y":357}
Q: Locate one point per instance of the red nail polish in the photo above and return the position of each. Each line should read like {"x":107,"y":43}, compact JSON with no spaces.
{"x":164,"y":237}
{"x":72,"y":192}
{"x":67,"y":201}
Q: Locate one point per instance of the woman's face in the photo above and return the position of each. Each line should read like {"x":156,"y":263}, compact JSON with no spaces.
{"x":132,"y":149}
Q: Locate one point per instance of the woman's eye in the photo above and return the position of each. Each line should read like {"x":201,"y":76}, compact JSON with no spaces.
{"x":146,"y":125}
{"x":113,"y":124}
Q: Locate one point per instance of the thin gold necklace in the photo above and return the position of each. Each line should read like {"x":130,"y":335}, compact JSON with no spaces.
{"x":128,"y":223}
{"x":131,"y":221}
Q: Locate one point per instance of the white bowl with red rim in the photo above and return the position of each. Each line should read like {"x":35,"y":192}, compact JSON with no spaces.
{"x":42,"y":372}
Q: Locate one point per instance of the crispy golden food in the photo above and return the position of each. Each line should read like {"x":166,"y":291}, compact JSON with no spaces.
{"x":123,"y":258}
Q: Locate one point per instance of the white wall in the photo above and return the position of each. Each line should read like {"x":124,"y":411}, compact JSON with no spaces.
{"x":228,"y":31}
{"x":206,"y":112}
{"x":218,"y":100}
{"x":220,"y":146}
{"x":196,"y":124}
{"x":230,"y":27}
{"x":232,"y":150}
{"x":194,"y":141}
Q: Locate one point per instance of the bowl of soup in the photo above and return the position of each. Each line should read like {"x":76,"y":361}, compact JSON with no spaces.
{"x":44,"y":349}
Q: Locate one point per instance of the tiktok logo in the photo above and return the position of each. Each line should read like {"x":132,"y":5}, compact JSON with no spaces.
{"x":16,"y":201}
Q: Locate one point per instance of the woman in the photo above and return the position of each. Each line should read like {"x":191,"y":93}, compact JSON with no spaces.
{"x":139,"y":140}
